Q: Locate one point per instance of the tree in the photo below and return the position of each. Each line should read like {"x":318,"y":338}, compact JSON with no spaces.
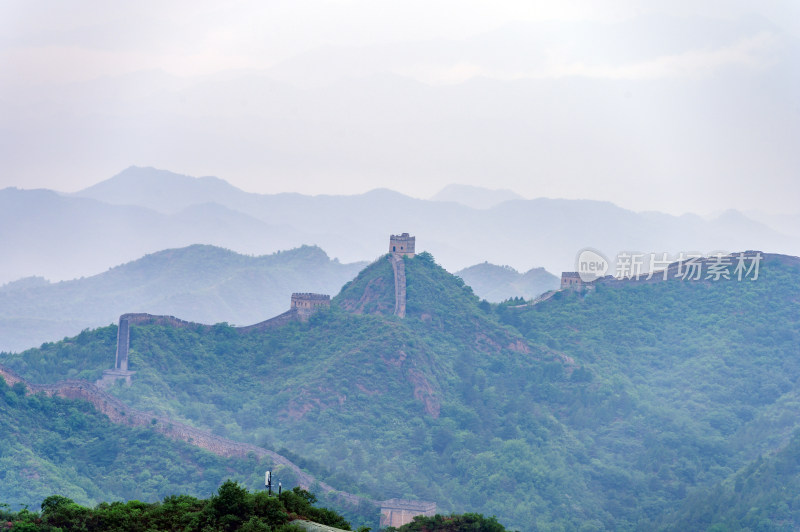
{"x":231,"y":505}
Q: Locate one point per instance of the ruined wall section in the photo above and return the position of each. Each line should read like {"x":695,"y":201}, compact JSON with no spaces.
{"x":119,"y":412}
{"x":394,"y":510}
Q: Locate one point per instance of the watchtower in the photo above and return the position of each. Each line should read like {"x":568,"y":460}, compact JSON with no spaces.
{"x":571,"y":280}
{"x":306,"y":303}
{"x":402,"y":244}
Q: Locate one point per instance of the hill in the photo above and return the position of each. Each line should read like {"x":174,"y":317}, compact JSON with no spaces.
{"x":498,"y":283}
{"x":53,"y":445}
{"x":380,"y":393}
{"x":199,"y":283}
{"x":162,"y":191}
{"x":760,"y":496}
{"x":605,"y":410}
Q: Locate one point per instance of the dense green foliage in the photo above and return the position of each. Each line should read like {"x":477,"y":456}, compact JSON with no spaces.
{"x":604,"y":410}
{"x":233,"y":507}
{"x":764,"y":496}
{"x":51,"y":444}
{"x":451,"y":523}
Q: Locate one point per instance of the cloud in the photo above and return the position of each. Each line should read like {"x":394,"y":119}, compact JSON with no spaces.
{"x":753,"y":52}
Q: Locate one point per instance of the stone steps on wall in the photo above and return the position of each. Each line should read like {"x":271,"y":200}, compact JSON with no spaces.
{"x":399,"y":268}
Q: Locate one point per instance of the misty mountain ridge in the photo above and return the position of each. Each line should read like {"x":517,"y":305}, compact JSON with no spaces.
{"x":522,"y":233}
{"x":161,"y":190}
{"x":475,"y":197}
{"x":64,"y":237}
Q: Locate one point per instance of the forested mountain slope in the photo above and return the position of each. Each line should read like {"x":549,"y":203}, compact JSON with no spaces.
{"x":601,"y":410}
{"x":58,"y":446}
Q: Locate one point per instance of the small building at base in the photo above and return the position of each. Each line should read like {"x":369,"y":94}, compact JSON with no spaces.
{"x":398,"y":512}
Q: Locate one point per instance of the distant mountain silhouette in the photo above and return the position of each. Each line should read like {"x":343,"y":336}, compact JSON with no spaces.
{"x":498,"y":283}
{"x":475,"y":197}
{"x":161,"y":190}
{"x":61,"y":237}
{"x":542,"y":232}
{"x":143,"y":210}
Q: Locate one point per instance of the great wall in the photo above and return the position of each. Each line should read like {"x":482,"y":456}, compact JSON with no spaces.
{"x":302,"y":305}
{"x":394,"y":512}
{"x":402,"y":245}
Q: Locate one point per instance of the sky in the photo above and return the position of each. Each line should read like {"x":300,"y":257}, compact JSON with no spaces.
{"x":678,"y":106}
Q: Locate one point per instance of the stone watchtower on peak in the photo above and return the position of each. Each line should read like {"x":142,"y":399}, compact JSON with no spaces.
{"x":402,"y":244}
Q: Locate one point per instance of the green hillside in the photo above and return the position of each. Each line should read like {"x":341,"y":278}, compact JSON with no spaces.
{"x":53,"y":445}
{"x":605,"y":410}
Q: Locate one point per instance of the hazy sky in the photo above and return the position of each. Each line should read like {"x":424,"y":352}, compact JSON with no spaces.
{"x":674,"y":106}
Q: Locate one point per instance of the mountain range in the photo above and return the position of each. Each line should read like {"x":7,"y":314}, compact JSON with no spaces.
{"x":143,"y":210}
{"x":630,"y":406}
